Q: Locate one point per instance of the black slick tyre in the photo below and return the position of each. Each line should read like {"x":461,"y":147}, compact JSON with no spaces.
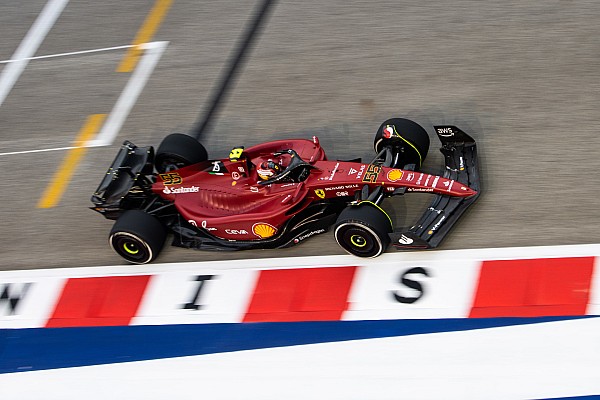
{"x":407,"y":134}
{"x":177,"y":151}
{"x":363,"y":230}
{"x":138,"y":237}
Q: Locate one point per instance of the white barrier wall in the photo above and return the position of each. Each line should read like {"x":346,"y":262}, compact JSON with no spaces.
{"x":490,"y":323}
{"x":516,"y":282}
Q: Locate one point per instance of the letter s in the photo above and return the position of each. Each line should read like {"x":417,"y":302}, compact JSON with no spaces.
{"x":416,"y":285}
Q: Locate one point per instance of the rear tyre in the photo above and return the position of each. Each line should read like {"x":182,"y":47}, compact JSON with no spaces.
{"x":138,"y":237}
{"x":177,"y":151}
{"x":407,"y":135}
{"x":363,"y":230}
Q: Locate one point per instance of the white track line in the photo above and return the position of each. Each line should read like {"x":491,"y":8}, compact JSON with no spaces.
{"x":119,"y":113}
{"x":10,"y":153}
{"x":31,"y":42}
{"x":110,"y":130}
{"x":72,"y":53}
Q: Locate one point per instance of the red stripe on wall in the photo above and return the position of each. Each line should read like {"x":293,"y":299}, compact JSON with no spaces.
{"x":102,"y":301}
{"x":533,"y":288}
{"x":308,"y":294}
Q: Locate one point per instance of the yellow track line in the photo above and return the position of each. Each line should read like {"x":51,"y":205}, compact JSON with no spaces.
{"x":60,"y":181}
{"x":145,"y":34}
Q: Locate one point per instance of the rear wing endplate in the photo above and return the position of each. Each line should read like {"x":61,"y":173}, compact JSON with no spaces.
{"x":122,"y":174}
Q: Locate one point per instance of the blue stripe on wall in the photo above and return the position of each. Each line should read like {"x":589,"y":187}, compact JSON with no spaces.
{"x":47,"y":348}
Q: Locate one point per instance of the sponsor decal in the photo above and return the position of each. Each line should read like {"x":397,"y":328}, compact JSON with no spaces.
{"x":463,"y":188}
{"x":309,"y":234}
{"x":341,"y":187}
{"x":372,"y":173}
{"x":428,"y":190}
{"x":435,"y":181}
{"x":334,"y":171}
{"x":342,"y":194}
{"x":360,"y":171}
{"x":461,"y":164}
{"x":235,"y":175}
{"x":242,"y":170}
{"x":253,"y":189}
{"x":352,"y":171}
{"x":450,"y":184}
{"x":394,"y":175}
{"x":236,"y":231}
{"x":437,"y":225}
{"x":438,"y":212}
{"x":263,"y":230}
{"x":405,"y":240}
{"x":179,"y":190}
{"x":171,"y":178}
{"x":419,"y":180}
{"x":388,"y":131}
{"x":445,"y":132}
{"x":427,"y":180}
{"x":410,"y":177}
{"x":207,"y":228}
{"x":194,"y":223}
{"x":320,"y":193}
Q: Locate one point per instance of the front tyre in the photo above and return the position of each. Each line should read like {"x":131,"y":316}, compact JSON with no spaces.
{"x":138,"y":237}
{"x":363,"y":230}
{"x":409,"y":139}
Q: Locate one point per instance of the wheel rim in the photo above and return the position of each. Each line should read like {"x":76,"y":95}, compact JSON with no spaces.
{"x":170,"y":163}
{"x":358,"y":239}
{"x":131,"y":247}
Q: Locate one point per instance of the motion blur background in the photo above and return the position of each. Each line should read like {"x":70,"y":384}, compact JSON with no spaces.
{"x":521,"y":77}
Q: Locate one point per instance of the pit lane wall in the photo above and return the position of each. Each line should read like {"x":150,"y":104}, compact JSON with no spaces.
{"x":464,"y":303}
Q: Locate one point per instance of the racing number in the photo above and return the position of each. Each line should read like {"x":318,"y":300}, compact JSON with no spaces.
{"x":171,"y":179}
{"x":371,"y":174}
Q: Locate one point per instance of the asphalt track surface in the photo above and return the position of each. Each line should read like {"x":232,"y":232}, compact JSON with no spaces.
{"x":522,"y":77}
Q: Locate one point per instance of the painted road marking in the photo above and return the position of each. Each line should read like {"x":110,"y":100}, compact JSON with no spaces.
{"x":11,"y":153}
{"x":31,"y":42}
{"x":72,"y":53}
{"x":121,"y":109}
{"x":145,"y":34}
{"x":60,"y":181}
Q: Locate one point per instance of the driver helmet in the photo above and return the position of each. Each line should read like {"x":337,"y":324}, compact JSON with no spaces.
{"x":268,"y":169}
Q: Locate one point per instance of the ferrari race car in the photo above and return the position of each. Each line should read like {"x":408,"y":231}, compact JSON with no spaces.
{"x":280,"y":193}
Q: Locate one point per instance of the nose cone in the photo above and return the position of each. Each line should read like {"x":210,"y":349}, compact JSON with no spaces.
{"x":464,"y":190}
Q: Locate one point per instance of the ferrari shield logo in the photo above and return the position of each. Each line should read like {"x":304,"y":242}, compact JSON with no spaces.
{"x":320,"y":193}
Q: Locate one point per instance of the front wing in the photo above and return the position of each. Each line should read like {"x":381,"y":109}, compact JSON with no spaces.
{"x":460,"y":154}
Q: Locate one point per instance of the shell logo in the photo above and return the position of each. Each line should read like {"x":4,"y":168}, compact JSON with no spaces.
{"x":263,"y":230}
{"x":394,"y":175}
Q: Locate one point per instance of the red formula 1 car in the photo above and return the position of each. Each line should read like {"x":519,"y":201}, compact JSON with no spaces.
{"x":280,"y":193}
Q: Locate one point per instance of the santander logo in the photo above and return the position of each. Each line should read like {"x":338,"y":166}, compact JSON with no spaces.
{"x":191,"y":189}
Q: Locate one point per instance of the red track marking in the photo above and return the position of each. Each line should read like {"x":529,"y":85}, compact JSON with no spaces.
{"x":311,"y":294}
{"x":533,"y":288}
{"x":103,"y":301}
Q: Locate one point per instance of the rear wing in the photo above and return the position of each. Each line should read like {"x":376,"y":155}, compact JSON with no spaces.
{"x":460,"y":155}
{"x":131,"y":162}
